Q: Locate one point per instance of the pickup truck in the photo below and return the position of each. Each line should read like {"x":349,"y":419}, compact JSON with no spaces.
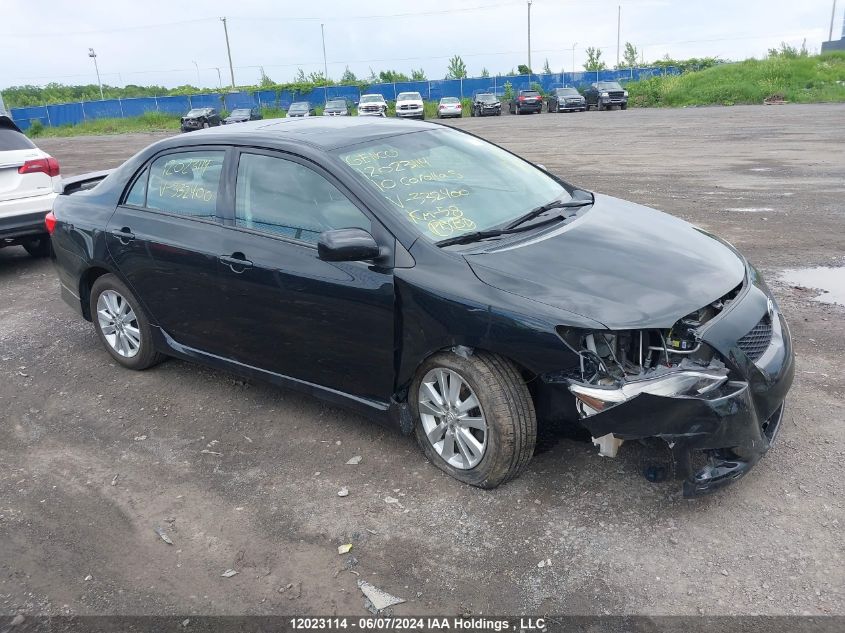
{"x":410,"y":105}
{"x":603,"y":95}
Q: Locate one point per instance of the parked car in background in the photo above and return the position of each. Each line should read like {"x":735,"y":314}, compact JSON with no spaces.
{"x":486,"y":104}
{"x":449,"y":107}
{"x":603,"y":95}
{"x":199,"y":118}
{"x":372,"y":105}
{"x":27,"y":178}
{"x":566,"y":100}
{"x":526,"y":101}
{"x":410,"y":105}
{"x":239,"y":115}
{"x":277,"y":250}
{"x":337,"y":107}
{"x":301,"y":109}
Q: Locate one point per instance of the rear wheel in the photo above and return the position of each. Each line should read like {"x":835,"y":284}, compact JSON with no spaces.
{"x":39,"y":247}
{"x":121,"y":324}
{"x":475,"y":418}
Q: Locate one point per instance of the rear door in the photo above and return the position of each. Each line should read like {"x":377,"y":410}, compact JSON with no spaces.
{"x":165,"y":238}
{"x":291,"y":313}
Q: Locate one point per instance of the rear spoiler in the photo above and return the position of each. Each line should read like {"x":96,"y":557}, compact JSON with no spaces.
{"x":74,"y":184}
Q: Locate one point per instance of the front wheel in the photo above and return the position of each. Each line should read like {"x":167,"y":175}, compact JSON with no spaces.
{"x":475,"y":419}
{"x":121,"y":324}
{"x":624,"y":106}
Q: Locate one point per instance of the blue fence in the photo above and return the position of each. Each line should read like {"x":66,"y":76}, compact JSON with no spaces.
{"x":73,"y":113}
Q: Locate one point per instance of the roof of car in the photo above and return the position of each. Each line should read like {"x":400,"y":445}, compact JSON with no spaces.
{"x":325,"y":133}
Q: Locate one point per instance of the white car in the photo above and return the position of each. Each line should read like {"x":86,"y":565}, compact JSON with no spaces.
{"x":410,"y":105}
{"x":372,"y":105}
{"x":449,"y":107}
{"x":27,"y":177}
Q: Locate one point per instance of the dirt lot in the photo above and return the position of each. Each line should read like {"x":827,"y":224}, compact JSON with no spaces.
{"x":94,"y":457}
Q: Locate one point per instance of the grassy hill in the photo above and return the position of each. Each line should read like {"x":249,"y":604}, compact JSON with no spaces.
{"x":810,"y":79}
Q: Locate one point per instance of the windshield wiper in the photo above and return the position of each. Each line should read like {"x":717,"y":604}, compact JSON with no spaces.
{"x":475,"y":236}
{"x":554,"y":204}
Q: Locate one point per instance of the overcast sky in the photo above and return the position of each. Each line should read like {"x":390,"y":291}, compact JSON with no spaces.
{"x":159,"y":41}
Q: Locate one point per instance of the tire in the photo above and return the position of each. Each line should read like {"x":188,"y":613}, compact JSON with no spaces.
{"x":39,"y":247}
{"x":145,"y":355}
{"x":205,"y":125}
{"x":599,"y":106}
{"x":624,"y":106}
{"x":504,"y":407}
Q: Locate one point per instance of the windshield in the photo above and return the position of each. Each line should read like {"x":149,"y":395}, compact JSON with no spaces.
{"x":450,"y":100}
{"x":407,"y":96}
{"x":445,"y":183}
{"x":568,"y":92}
{"x":197,"y":112}
{"x":372,"y":99}
{"x":609,"y":85}
{"x":486,"y":98}
{"x":336,"y":103}
{"x":241,"y":112}
{"x":300,"y":105}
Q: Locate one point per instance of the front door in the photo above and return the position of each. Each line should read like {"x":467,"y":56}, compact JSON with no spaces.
{"x":331,"y":324}
{"x":165,"y":238}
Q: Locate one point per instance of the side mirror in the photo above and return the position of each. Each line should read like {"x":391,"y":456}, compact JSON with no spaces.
{"x":347,"y":245}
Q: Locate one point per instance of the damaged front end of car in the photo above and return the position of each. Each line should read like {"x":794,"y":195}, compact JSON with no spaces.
{"x":711,"y":386}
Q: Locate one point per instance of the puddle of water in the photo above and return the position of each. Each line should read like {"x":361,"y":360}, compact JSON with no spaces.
{"x":831,"y":281}
{"x":750,"y":209}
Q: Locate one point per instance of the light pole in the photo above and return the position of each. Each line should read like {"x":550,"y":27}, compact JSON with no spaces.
{"x":229,"y":52}
{"x":219,"y":77}
{"x":198,"y":73}
{"x":573,"y":61}
{"x":93,"y":56}
{"x":325,"y":64}
{"x":832,"y":17}
{"x":529,"y":41}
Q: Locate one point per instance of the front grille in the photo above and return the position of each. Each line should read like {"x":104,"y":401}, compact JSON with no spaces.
{"x":616,"y":95}
{"x":757,"y":340}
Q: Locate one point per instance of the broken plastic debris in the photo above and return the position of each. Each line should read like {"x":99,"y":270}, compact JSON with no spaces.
{"x":343,"y":492}
{"x":114,"y":479}
{"x":228,"y":573}
{"x":545,"y":563}
{"x":163,"y":535}
{"x":344,"y":549}
{"x":208,"y":452}
{"x":355,"y":460}
{"x":391,"y":500}
{"x":89,"y":577}
{"x":140,"y":438}
{"x":379,"y":599}
{"x":608,"y":445}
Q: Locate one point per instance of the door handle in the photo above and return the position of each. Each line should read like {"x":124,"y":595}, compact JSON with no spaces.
{"x":125,"y":235}
{"x":236,"y":261}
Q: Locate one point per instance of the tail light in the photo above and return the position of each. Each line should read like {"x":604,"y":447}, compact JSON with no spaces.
{"x":459,"y":106}
{"x":442,"y":107}
{"x":49,"y":166}
{"x":50,"y":222}
{"x":521,"y":98}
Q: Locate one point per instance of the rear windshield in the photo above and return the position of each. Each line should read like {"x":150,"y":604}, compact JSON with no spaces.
{"x":450,"y":100}
{"x":12,"y":140}
{"x":529,"y":93}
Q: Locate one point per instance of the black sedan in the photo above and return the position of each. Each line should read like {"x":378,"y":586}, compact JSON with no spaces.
{"x":566,"y":100}
{"x":437,"y":282}
{"x":299,"y":109}
{"x":199,"y":118}
{"x":242,"y":115}
{"x":337,"y":107}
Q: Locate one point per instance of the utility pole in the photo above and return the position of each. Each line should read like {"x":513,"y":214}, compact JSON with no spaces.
{"x":198,"y":73}
{"x":573,"y":61}
{"x":219,"y":77}
{"x":93,"y":56}
{"x":618,"y":33}
{"x":325,"y":64}
{"x":529,"y":41}
{"x":228,"y":52}
{"x":832,"y":18}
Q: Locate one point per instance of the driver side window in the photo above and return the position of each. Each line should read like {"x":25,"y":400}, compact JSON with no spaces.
{"x":282,"y":197}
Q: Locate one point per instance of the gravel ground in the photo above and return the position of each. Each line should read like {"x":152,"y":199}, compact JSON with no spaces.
{"x":93,"y":457}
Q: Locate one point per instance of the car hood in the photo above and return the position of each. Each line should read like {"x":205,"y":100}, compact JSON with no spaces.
{"x":622,"y":264}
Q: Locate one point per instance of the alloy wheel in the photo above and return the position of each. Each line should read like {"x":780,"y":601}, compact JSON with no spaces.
{"x":452,"y":418}
{"x":118,"y":323}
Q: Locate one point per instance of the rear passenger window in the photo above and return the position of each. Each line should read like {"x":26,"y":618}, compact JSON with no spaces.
{"x":186,"y":183}
{"x":138,"y":194}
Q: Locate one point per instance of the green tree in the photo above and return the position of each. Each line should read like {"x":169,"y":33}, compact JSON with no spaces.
{"x":594,"y":62}
{"x":265,"y":82}
{"x":348,"y":77}
{"x":522,"y":69}
{"x":631,"y":56}
{"x":319,"y":79}
{"x":508,"y":91}
{"x":300,"y":77}
{"x":485,"y":72}
{"x":392,"y":76}
{"x":546,"y":68}
{"x":510,"y":73}
{"x":418,"y":75}
{"x":457,"y":68}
